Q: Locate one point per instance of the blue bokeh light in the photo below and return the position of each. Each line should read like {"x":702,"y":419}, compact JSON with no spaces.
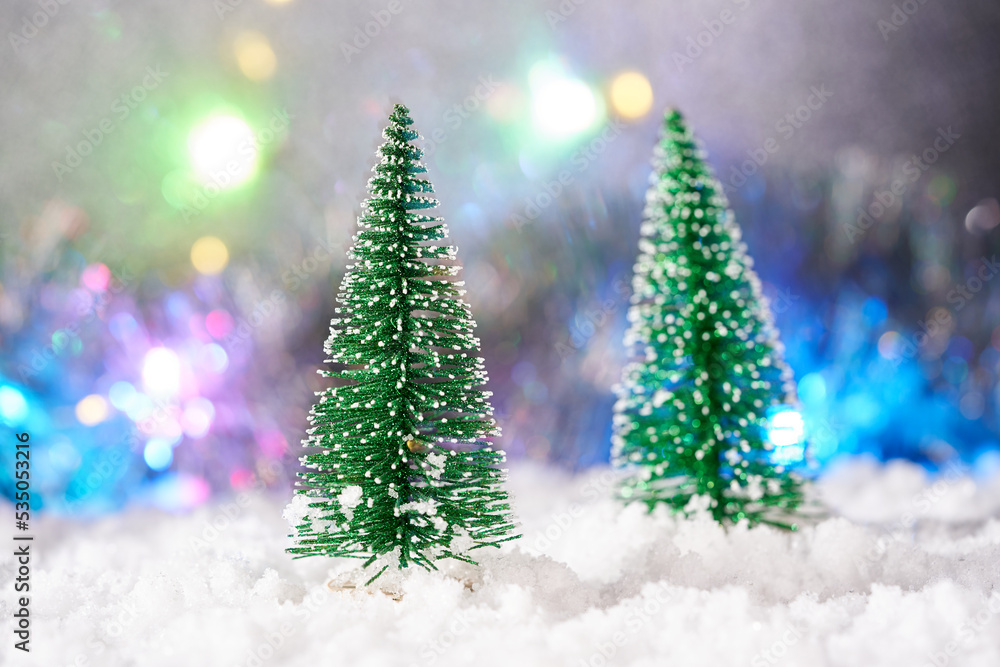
{"x":158,"y":454}
{"x":13,"y":406}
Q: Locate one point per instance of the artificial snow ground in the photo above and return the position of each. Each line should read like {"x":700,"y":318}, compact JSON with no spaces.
{"x":590,"y":583}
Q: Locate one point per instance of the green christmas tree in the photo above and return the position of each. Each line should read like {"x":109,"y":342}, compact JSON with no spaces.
{"x":705,"y":361}
{"x":401,"y":462}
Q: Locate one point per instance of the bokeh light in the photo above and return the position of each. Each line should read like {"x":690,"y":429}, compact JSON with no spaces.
{"x":92,"y":409}
{"x":272,"y":443}
{"x":63,"y":455}
{"x":158,"y":454}
{"x":213,"y":358}
{"x":209,"y":255}
{"x":176,"y":492}
{"x":971,"y":405}
{"x":983,"y":217}
{"x":254,"y":55}
{"x":223,"y":151}
{"x":941,"y":189}
{"x":161,"y":371}
{"x":64,"y":342}
{"x":241,"y":478}
{"x":121,"y":394}
{"x":888,"y":344}
{"x":561,"y":106}
{"x":123,"y":326}
{"x":139,"y":407}
{"x":160,"y":359}
{"x":631,"y":95}
{"x":96,"y":277}
{"x":197,"y":417}
{"x":812,"y":389}
{"x":13,"y":406}
{"x":785,"y":431}
{"x":219,"y":323}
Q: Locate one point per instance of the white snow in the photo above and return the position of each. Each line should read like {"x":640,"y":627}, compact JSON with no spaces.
{"x":350,"y":498}
{"x":903,"y":572}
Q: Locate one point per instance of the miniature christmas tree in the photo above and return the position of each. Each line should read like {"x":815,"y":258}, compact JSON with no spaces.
{"x":705,"y":361}
{"x":401,"y":462}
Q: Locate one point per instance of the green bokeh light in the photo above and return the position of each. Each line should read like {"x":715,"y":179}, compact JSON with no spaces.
{"x":180,"y":188}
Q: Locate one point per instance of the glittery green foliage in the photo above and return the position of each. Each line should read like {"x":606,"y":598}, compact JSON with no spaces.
{"x":400,"y":462}
{"x":705,"y":362}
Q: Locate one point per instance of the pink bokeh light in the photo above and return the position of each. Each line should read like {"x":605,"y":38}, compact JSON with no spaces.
{"x":219,"y":323}
{"x":272,"y":443}
{"x":96,"y":277}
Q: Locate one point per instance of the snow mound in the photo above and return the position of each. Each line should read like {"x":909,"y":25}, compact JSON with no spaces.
{"x":904,"y":571}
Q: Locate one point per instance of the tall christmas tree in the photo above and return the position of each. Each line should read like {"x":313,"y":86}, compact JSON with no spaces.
{"x":705,"y":361}
{"x":401,"y":462}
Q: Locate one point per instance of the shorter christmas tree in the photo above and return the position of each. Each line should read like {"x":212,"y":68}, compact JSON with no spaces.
{"x":706,"y":362}
{"x":400,"y":462}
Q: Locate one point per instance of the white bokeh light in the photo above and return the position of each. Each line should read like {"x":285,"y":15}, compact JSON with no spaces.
{"x":561,"y":106}
{"x":786,"y":430}
{"x":161,"y":372}
{"x":223,"y":151}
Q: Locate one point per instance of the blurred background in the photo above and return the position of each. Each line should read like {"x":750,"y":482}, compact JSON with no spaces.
{"x":180,"y":181}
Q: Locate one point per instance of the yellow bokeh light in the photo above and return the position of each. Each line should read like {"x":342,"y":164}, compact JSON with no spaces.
{"x":92,"y":410}
{"x":209,"y":255}
{"x":254,"y":55}
{"x":631,"y":95}
{"x":278,"y":2}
